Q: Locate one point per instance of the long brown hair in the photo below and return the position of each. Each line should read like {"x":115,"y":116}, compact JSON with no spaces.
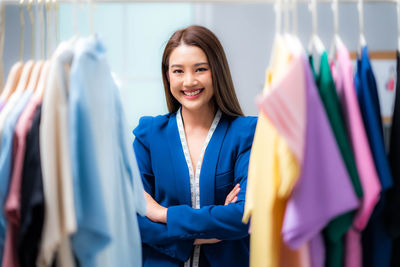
{"x":224,"y":92}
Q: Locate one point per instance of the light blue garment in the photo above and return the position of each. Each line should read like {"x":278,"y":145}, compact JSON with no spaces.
{"x":6,"y":160}
{"x":107,"y":185}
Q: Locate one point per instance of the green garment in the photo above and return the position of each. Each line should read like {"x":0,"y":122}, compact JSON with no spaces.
{"x":337,"y":228}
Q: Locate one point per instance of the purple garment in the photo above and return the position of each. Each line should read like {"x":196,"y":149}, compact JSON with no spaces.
{"x":324,"y":189}
{"x":2,"y":104}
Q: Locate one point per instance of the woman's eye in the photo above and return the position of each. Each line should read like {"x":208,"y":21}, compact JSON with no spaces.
{"x":201,"y":69}
{"x":177,"y":71}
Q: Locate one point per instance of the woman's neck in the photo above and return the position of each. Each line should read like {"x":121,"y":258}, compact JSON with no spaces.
{"x":202,"y":118}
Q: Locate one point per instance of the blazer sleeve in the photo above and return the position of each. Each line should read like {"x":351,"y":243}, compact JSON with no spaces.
{"x":155,"y":234}
{"x":216,"y":221}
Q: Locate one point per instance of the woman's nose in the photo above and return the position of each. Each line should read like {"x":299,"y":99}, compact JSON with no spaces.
{"x":189,"y":80}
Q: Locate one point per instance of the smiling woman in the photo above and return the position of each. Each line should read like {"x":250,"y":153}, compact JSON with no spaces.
{"x":194,"y":160}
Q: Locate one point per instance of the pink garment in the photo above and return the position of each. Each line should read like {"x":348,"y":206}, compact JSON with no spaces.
{"x":285,"y":108}
{"x":12,"y":205}
{"x":343,"y":76}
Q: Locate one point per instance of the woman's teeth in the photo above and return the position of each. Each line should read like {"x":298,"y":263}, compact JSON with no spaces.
{"x":192,"y":93}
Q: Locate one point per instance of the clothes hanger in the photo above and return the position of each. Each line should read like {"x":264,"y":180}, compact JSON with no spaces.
{"x":315,"y":46}
{"x":41,"y":86}
{"x":362,"y":42}
{"x":16,"y":70}
{"x":315,"y":41}
{"x":91,"y":18}
{"x":336,"y":37}
{"x":37,"y":66}
{"x":33,"y":81}
{"x":294,"y":18}
{"x":27,"y":68}
{"x":278,"y":17}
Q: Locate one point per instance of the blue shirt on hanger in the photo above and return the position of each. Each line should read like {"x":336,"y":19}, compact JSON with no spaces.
{"x":376,"y":242}
{"x":107,"y":185}
{"x":6,"y":160}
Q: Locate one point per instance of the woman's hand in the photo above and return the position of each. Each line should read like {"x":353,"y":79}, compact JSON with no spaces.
{"x":154,"y":211}
{"x":230,"y":198}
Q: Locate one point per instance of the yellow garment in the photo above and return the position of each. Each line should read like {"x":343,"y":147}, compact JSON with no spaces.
{"x":273,"y":172}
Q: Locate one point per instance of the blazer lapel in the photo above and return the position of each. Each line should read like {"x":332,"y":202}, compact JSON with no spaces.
{"x":181,"y":172}
{"x":209,"y":164}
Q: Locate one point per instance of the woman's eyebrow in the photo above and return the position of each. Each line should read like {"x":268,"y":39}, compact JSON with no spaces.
{"x":199,"y":64}
{"x":195,"y":65}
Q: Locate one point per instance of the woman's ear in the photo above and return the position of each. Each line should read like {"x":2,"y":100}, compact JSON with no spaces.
{"x":167,"y":75}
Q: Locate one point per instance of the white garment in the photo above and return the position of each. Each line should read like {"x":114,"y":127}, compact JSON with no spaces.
{"x":59,"y":218}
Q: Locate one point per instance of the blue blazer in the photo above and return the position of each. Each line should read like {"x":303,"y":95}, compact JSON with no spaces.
{"x":165,"y":176}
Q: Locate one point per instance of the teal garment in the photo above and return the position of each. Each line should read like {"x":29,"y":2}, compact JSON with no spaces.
{"x":108,"y":190}
{"x":336,"y":229}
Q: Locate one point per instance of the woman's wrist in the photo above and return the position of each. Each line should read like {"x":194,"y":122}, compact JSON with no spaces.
{"x":163,"y":214}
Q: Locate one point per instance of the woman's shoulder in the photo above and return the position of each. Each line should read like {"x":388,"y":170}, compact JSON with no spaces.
{"x":148,"y":124}
{"x":244,"y":122}
{"x":241,"y":130}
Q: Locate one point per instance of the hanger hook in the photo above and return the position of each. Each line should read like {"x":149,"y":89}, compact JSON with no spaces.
{"x":22,"y":33}
{"x":360,"y":7}
{"x":55,"y":5}
{"x":32,"y":20}
{"x":313,"y":9}
{"x":335,"y":9}
{"x":41,"y":19}
{"x":48,"y":35}
{"x":294,"y":16}
{"x":398,"y":24}
{"x":278,"y":16}
{"x":91,"y":19}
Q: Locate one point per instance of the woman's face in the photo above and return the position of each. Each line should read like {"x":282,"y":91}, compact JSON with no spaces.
{"x":190,"y":78}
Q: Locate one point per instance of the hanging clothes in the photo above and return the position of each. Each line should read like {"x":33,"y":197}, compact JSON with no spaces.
{"x":32,"y":197}
{"x":107,"y":183}
{"x":323,"y":178}
{"x":59,"y":220}
{"x":16,"y":95}
{"x":273,"y":171}
{"x":393,"y":205}
{"x":11,"y":206}
{"x":376,"y":242}
{"x":342,"y":72}
{"x":337,"y":228}
{"x":6,"y":155}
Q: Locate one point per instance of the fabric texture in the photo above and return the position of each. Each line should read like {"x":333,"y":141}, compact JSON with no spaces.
{"x":6,"y":157}
{"x":338,"y":227}
{"x":342,"y":71}
{"x":107,"y":182}
{"x":59,"y":219}
{"x":376,"y":242}
{"x":32,"y":197}
{"x":170,"y":244}
{"x":392,"y":216}
{"x":274,"y":167}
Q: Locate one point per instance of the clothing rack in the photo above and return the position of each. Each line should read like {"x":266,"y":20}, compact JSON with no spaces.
{"x":197,"y":1}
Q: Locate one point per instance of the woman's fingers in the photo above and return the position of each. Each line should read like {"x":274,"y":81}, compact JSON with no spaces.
{"x":206,"y":241}
{"x":232,"y":196}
